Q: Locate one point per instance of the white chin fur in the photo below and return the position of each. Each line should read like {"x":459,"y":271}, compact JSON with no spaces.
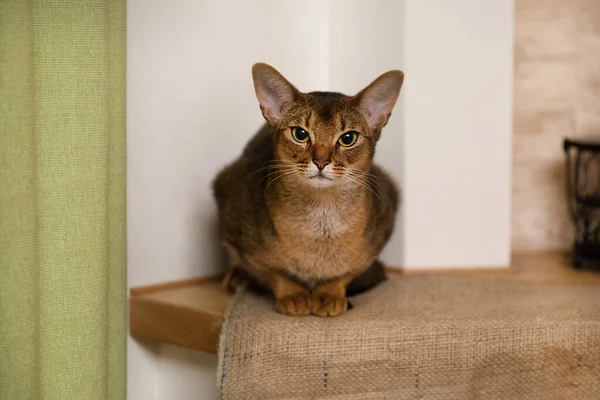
{"x":320,"y":179}
{"x":320,"y":182}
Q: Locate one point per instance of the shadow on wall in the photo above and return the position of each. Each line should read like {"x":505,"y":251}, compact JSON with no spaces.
{"x":206,"y":230}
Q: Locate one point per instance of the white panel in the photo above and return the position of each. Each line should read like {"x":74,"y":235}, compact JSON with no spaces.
{"x":458,"y":128}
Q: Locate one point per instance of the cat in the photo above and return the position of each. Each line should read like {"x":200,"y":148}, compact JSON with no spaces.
{"x":303,"y":210}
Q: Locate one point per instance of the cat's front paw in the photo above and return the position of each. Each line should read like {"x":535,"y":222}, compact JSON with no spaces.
{"x":326,"y":305}
{"x":298,"y":304}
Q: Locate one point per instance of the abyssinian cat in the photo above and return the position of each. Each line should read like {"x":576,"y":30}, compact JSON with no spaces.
{"x":304,"y":210}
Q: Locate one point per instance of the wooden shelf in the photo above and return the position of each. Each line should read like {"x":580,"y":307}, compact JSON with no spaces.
{"x":185,"y":313}
{"x":189,"y":313}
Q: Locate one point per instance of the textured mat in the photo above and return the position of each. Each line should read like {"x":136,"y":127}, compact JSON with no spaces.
{"x":420,"y":337}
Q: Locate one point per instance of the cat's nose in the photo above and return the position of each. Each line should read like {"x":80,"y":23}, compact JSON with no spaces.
{"x":321,"y":162}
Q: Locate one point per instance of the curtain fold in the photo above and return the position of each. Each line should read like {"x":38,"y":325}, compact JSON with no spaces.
{"x":62,"y":199}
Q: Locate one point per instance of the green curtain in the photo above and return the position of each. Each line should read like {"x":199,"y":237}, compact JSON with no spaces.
{"x":62,"y":199}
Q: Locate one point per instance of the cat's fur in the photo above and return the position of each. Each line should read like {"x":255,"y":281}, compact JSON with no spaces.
{"x":307,"y":219}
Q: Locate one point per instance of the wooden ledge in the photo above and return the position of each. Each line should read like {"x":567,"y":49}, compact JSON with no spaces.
{"x":189,"y":313}
{"x":185,"y":313}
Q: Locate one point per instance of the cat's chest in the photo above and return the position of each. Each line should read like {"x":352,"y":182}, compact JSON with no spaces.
{"x":323,"y":243}
{"x":318,"y":222}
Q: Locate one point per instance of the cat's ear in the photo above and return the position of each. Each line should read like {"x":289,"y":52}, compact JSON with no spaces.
{"x":377,"y":100}
{"x":273,"y":91}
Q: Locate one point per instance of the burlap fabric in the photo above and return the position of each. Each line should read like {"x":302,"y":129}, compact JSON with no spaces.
{"x":420,"y":337}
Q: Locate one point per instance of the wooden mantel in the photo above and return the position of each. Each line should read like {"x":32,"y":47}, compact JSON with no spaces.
{"x":189,"y":313}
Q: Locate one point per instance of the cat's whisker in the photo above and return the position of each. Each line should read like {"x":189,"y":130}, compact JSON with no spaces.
{"x":361,"y":184}
{"x":261,"y":169}
{"x":278,"y":172}
{"x":363,"y":180}
{"x":274,"y":170}
{"x":288,"y":173}
{"x":366,"y":173}
{"x":273,"y":164}
{"x":281,"y":162}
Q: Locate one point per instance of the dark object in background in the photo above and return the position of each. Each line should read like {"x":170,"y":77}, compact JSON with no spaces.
{"x":583,"y":199}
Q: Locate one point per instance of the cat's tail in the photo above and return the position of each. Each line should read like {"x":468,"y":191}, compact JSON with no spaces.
{"x":368,"y":279}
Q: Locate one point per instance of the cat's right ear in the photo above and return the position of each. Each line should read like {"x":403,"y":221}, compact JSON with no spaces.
{"x":273,"y":91}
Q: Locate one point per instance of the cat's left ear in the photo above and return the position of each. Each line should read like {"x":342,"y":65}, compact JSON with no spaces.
{"x":377,"y":100}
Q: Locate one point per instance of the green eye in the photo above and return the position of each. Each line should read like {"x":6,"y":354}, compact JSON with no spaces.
{"x":348,"y":138}
{"x":299,"y":134}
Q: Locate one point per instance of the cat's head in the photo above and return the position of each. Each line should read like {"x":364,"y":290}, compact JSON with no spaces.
{"x":322,"y":138}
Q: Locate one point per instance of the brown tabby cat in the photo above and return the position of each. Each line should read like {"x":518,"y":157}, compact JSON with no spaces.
{"x":304,"y":210}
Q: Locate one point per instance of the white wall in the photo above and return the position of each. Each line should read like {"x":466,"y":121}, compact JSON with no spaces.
{"x":191,"y":107}
{"x":458,"y":132}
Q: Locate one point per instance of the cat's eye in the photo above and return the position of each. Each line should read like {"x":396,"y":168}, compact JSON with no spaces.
{"x":348,"y":139}
{"x":299,"y":134}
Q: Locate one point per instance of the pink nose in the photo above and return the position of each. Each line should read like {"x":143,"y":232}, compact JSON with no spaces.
{"x":321,"y":162}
